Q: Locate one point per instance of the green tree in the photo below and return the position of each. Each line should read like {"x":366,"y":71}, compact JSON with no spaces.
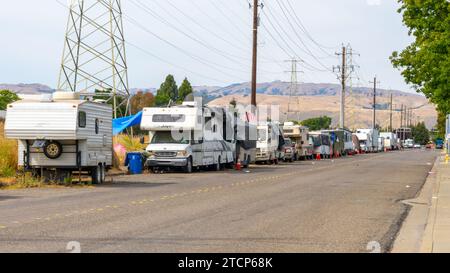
{"x":167,"y":92}
{"x":426,"y":62}
{"x":141,"y":100}
{"x":319,"y":123}
{"x":420,"y":134}
{"x":184,"y":90}
{"x":7,"y":97}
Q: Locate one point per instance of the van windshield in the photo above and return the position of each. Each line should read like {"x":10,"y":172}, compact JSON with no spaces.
{"x":165,"y":137}
{"x":262,"y":134}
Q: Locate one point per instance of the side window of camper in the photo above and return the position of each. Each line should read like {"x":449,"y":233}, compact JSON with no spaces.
{"x":82,"y":119}
{"x":97,"y":126}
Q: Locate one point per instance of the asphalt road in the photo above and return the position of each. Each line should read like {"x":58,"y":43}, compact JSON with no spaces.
{"x":326,"y":206}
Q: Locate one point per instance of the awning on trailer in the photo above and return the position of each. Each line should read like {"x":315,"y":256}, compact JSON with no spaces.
{"x":120,"y":124}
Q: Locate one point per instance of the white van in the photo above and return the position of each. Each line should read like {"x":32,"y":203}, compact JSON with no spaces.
{"x":270,"y":143}
{"x":186,"y":137}
{"x":321,"y":142}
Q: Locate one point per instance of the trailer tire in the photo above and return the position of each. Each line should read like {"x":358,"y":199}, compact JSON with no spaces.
{"x":218,"y":166}
{"x":53,"y":149}
{"x":188,"y":167}
{"x":97,"y":175}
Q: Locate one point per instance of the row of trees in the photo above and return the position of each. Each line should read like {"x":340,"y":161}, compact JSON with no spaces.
{"x":425,"y":63}
{"x":169,"y":91}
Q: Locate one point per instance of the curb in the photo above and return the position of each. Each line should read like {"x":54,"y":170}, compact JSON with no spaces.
{"x":414,"y":235}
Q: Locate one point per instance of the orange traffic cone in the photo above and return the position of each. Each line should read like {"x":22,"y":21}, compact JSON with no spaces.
{"x":238,"y":165}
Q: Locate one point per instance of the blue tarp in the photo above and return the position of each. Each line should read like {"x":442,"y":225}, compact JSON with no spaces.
{"x":120,"y":124}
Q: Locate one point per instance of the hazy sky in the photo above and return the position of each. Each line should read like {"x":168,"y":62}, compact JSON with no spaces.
{"x":32,"y":32}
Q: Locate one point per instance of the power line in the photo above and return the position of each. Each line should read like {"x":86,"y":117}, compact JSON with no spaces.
{"x":230,"y":57}
{"x":307,"y":50}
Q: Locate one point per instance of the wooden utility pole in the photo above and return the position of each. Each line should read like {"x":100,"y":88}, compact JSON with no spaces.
{"x":255,"y":50}
{"x":343,"y":80}
{"x":391,"y":129}
{"x":374,"y":125}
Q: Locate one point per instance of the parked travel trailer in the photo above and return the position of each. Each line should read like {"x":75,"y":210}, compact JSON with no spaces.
{"x":322,"y":143}
{"x":356,"y":144}
{"x":62,"y":134}
{"x":299,"y":136}
{"x":390,"y":140}
{"x":270,"y":143}
{"x":368,"y":139}
{"x":187,"y":137}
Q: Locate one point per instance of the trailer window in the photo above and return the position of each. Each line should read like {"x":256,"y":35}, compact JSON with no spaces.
{"x":82,"y":119}
{"x":169,"y":118}
{"x":97,"y":125}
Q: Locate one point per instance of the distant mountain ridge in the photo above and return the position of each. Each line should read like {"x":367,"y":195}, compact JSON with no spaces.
{"x":278,"y":88}
{"x":27,"y":89}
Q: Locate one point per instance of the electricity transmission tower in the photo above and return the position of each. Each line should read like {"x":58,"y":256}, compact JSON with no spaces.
{"x":293,"y":89}
{"x":94,"y":56}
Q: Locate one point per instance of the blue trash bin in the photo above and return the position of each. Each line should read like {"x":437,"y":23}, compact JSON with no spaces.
{"x":134,"y":162}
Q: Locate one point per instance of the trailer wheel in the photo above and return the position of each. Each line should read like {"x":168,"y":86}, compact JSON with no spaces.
{"x":97,"y":175}
{"x":217,"y":166}
{"x":188,"y":167}
{"x":53,"y":149}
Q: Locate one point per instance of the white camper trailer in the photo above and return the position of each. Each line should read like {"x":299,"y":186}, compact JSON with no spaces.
{"x":390,"y":140}
{"x":61,"y":135}
{"x":187,"y":137}
{"x":299,"y":136}
{"x":368,"y":139}
{"x":269,"y":144}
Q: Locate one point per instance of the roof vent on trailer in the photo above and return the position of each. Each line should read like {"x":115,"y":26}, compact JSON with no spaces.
{"x":59,"y":95}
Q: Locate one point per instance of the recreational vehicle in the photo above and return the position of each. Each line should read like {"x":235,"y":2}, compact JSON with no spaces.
{"x":380,"y":144}
{"x":390,"y":140}
{"x":299,"y":136}
{"x":322,"y":144}
{"x":368,"y":139}
{"x":187,"y":137}
{"x":341,"y":141}
{"x":270,"y":143}
{"x":62,"y":134}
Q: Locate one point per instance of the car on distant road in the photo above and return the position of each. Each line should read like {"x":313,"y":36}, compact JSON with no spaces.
{"x":290,"y":151}
{"x":417,"y":146}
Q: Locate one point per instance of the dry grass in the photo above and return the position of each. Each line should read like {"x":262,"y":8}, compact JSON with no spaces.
{"x":8,"y":155}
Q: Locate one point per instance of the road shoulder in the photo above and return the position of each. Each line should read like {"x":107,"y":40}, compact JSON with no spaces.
{"x":425,"y":229}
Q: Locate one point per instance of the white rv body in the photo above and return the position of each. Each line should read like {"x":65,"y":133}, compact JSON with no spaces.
{"x":82,"y":128}
{"x":390,"y":140}
{"x":380,"y":144}
{"x":368,"y":139}
{"x":186,"y":136}
{"x":321,"y":142}
{"x":268,"y":143}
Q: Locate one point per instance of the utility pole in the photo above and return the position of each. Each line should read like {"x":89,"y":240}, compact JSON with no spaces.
{"x":256,"y":6}
{"x":343,"y":75}
{"x":343,"y":79}
{"x":375,"y":102}
{"x":390,"y":115}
